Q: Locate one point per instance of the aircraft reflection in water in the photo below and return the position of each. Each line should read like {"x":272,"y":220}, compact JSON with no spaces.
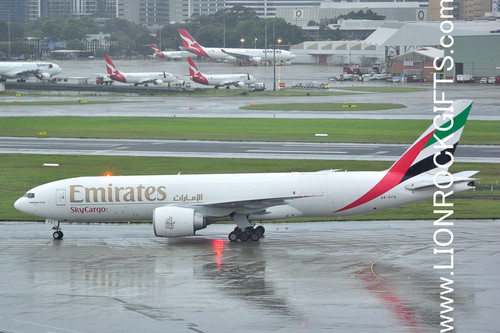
{"x":243,"y":276}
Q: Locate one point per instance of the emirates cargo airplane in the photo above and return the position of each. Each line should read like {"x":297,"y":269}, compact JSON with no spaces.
{"x":255,"y":55}
{"x":179,"y":205}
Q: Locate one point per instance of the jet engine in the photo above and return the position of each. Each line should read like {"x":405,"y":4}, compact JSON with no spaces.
{"x":239,"y":84}
{"x":172,"y":221}
{"x":158,"y":82}
{"x":257,"y":59}
{"x":43,"y":76}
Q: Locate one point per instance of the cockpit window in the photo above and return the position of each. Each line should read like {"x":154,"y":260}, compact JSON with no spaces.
{"x":29,"y":195}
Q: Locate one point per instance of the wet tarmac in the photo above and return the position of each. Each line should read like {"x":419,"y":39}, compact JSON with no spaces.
{"x":418,"y":104}
{"x":303,"y":277}
{"x":231,"y":149}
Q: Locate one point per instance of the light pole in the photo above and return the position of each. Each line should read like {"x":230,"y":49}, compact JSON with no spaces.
{"x":255,"y":43}
{"x":242,"y":41}
{"x":279,"y":42}
{"x":274,"y":57}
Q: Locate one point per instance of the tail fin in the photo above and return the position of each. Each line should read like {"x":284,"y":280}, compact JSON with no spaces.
{"x":435,"y":148}
{"x":191,"y":45}
{"x":156,"y":50}
{"x":433,"y":151}
{"x":110,"y":66}
{"x":193,"y":70}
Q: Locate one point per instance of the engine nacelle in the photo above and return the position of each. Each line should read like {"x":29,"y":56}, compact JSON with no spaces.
{"x":239,"y":84}
{"x":43,"y":76}
{"x":257,"y":59}
{"x":158,"y":82}
{"x":172,"y":221}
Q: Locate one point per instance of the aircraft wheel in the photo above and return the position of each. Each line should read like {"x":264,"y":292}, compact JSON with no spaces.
{"x":254,"y":236}
{"x":244,"y":237}
{"x":58,"y":234}
{"x":260,"y":230}
{"x":227,"y":87}
{"x":233,"y":237}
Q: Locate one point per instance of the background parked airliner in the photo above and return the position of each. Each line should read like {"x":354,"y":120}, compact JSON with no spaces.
{"x":157,"y":78}
{"x":181,"y":204}
{"x":219,"y":80}
{"x":255,"y":55}
{"x":22,"y":70}
{"x":170,"y":54}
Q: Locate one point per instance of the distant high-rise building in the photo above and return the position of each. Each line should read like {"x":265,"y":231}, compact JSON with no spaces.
{"x":150,"y":13}
{"x":14,"y":11}
{"x":94,"y":8}
{"x":267,"y":8}
{"x":206,"y":7}
{"x":473,"y":9}
{"x":180,"y":10}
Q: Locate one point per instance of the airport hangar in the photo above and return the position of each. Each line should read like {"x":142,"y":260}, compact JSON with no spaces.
{"x":391,"y":39}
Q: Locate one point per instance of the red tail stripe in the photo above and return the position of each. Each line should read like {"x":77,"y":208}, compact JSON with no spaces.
{"x":394,"y":175}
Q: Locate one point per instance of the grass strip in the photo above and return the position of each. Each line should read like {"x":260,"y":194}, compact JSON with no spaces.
{"x":381,"y":89}
{"x":54,"y":102}
{"x":237,"y":129}
{"x":19,"y":173}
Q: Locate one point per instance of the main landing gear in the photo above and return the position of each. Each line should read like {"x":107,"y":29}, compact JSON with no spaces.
{"x":58,"y":234}
{"x":248,"y":233}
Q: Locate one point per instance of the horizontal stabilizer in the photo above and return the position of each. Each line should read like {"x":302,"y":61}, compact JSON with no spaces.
{"x":460,"y":177}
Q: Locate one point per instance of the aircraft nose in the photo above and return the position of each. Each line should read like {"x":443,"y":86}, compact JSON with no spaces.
{"x":22,"y":205}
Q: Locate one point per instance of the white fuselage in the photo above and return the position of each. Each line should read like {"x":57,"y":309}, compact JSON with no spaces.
{"x":129,"y":198}
{"x":224,"y":79}
{"x":176,"y":54}
{"x":25,"y":69}
{"x":253,"y":54}
{"x":141,"y":78}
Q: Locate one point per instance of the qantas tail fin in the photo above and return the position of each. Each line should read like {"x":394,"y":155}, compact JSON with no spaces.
{"x":191,"y":45}
{"x":193,"y":70}
{"x":156,"y":50}
{"x":110,"y":66}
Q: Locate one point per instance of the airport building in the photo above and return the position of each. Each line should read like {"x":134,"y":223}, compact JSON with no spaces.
{"x":417,"y":65}
{"x":475,"y":55}
{"x":400,"y":38}
{"x":338,"y":53}
{"x":329,"y":12}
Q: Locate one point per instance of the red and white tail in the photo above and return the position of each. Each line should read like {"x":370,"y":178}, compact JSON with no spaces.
{"x":157,"y":51}
{"x":110,"y":66}
{"x":193,"y":70}
{"x":191,"y":45}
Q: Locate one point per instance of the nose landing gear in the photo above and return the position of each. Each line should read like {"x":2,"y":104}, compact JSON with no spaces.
{"x":58,"y":234}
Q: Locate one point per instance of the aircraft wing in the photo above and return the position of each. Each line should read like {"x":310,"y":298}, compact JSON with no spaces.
{"x":252,"y":205}
{"x":239,"y":56}
{"x":25,"y":73}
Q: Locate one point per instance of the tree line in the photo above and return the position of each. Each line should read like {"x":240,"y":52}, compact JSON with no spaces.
{"x":233,"y":27}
